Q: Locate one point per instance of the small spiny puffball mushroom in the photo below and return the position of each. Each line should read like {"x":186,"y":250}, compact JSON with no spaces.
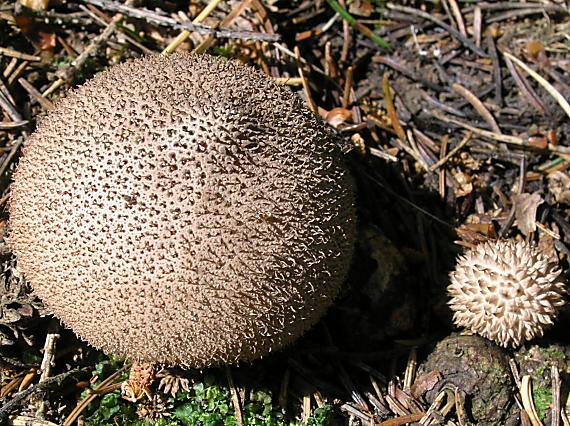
{"x":184,"y":210}
{"x":507,"y":291}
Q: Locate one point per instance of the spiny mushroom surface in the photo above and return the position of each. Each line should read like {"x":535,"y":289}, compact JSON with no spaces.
{"x":184,"y":210}
{"x":507,"y":291}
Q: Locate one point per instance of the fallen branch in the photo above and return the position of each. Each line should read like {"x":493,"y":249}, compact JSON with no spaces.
{"x":161,"y":20}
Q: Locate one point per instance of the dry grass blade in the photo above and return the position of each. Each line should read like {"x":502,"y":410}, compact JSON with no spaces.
{"x":458,"y":17}
{"x":306,"y":413}
{"x":15,"y":54}
{"x":289,"y":81}
{"x":235,"y":397}
{"x":478,"y":105}
{"x":8,"y":107}
{"x":556,"y":385}
{"x":67,"y":72}
{"x":424,"y":15}
{"x":446,"y":394}
{"x":395,"y":121}
{"x":389,"y":102}
{"x":11,"y":386}
{"x":565,"y":418}
{"x":477,"y":21}
{"x":347,"y":88}
{"x":27,"y":380}
{"x":284,"y":389}
{"x":497,"y":80}
{"x":451,"y":153}
{"x":10,"y":125}
{"x":35,"y":94}
{"x":356,"y":412}
{"x":460,"y":408}
{"x":185,"y":34}
{"x":104,"y":20}
{"x":81,"y":405}
{"x":411,"y":367}
{"x":513,"y":140}
{"x":547,"y":86}
{"x":526,"y":90}
{"x":226,"y":22}
{"x":30,"y":421}
{"x":408,"y":202}
{"x":21,"y":396}
{"x":396,"y":65}
{"x":49,"y":356}
{"x":381,"y":154}
{"x":528,"y":401}
{"x":402,"y":420}
{"x":13,"y":151}
{"x":311,"y":103}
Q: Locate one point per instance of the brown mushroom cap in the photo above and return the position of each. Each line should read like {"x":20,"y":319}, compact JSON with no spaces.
{"x":183,"y":210}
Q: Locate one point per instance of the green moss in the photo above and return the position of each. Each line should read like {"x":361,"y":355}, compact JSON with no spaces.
{"x":555,"y":353}
{"x":321,"y":416}
{"x":208,"y":403}
{"x":551,"y":357}
{"x":31,"y":357}
{"x":542,"y":400}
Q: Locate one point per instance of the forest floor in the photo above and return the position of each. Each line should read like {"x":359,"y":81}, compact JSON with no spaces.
{"x":458,"y":115}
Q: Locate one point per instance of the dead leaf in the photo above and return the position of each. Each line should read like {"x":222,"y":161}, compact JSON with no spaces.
{"x":470,"y":236}
{"x":425,"y":383}
{"x":38,"y":32}
{"x":35,"y":4}
{"x":546,"y":244}
{"x":525,"y":211}
{"x":535,"y":51}
{"x":46,"y":40}
{"x":359,"y":144}
{"x":25,"y":23}
{"x":469,"y":162}
{"x":360,"y":8}
{"x":26,"y":310}
{"x":464,"y":185}
{"x":337,"y":116}
{"x":484,"y":228}
{"x":559,"y":186}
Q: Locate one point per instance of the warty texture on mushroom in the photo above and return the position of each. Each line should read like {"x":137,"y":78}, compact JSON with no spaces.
{"x":506,"y":290}
{"x":184,"y":210}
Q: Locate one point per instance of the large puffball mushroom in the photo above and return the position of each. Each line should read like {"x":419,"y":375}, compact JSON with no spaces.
{"x":184,"y":210}
{"x":507,"y":291}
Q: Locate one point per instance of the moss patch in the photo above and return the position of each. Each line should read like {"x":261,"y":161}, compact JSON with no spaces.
{"x":542,"y":400}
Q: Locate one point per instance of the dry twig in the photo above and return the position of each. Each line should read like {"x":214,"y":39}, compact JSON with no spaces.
{"x":187,"y":27}
{"x":45,"y":385}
